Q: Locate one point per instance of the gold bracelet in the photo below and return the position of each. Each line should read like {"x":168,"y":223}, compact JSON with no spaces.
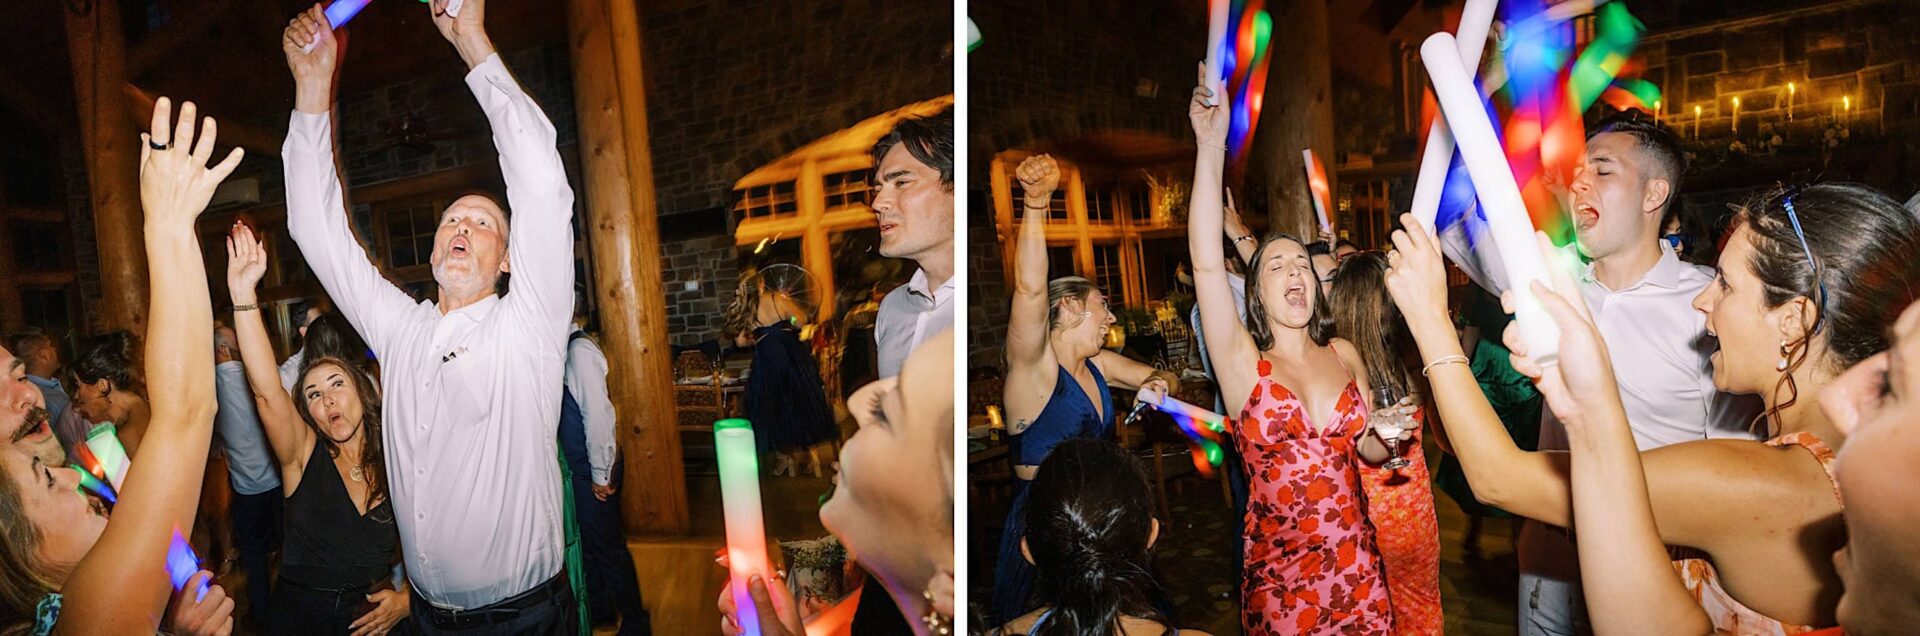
{"x":241,"y":308}
{"x":1452,"y":359}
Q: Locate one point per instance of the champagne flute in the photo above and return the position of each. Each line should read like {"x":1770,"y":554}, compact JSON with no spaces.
{"x":1389,"y":427}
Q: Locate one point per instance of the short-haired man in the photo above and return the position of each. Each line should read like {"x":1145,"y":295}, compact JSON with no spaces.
{"x":42,"y":357}
{"x":913,"y":203}
{"x":471,"y":382}
{"x":25,"y":423}
{"x":1641,"y":296}
{"x":251,"y":469}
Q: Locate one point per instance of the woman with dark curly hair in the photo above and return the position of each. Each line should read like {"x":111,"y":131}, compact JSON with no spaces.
{"x":108,"y":386}
{"x":341,"y":542}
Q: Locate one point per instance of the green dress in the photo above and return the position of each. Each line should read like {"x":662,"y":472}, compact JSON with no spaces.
{"x":1514,"y":400}
{"x":576,"y":562}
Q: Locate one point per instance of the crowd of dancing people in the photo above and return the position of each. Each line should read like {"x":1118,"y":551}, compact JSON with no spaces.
{"x":1721,"y":449}
{"x":425,"y":466}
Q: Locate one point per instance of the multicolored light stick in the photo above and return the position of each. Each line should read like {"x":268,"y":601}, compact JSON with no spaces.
{"x":739,"y":464}
{"x":92,"y":484}
{"x":1217,"y":11}
{"x":1205,"y":430}
{"x":106,"y":448}
{"x":1317,"y":185}
{"x":1475,"y":21}
{"x":338,"y":14}
{"x":1493,"y":179}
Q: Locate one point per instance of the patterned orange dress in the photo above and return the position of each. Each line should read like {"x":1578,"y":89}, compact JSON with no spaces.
{"x":1730,"y":616}
{"x":1311,"y":565}
{"x":1400,"y":505}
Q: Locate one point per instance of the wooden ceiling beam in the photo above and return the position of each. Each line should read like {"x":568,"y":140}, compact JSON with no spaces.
{"x":256,"y":140}
{"x":156,"y":46}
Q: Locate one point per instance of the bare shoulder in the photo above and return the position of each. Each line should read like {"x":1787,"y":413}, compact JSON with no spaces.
{"x":1767,"y":473}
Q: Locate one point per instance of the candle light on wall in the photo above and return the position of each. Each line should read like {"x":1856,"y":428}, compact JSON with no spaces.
{"x":1696,"y":121}
{"x":1846,"y":110}
{"x":1736,"y":116}
{"x":1791,"y":91}
{"x":1656,"y":111}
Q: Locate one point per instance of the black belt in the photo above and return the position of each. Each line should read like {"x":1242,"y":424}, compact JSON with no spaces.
{"x":504,"y":610}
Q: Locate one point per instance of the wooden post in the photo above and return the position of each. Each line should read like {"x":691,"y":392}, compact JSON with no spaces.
{"x":98,"y":51}
{"x":617,"y":162}
{"x":1297,"y":114}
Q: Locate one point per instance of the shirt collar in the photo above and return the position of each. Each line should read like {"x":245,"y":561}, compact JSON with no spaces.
{"x":1665,"y":272}
{"x":918,"y":284}
{"x":45,"y":383}
{"x":479,"y":309}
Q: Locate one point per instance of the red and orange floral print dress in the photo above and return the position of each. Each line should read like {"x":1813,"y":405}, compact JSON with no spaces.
{"x":1311,"y":564}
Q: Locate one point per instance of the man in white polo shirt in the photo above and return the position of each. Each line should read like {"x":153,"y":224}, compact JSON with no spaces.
{"x":472,"y":382}
{"x":913,"y":203}
{"x":1641,"y":295}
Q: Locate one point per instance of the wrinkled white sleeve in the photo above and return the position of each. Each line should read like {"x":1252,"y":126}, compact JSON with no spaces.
{"x":587,"y":381}
{"x":540,"y":206}
{"x":317,"y":221}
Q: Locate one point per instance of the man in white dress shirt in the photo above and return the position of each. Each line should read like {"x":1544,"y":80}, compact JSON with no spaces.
{"x":913,"y":203}
{"x":1641,"y":295}
{"x":472,"y":383}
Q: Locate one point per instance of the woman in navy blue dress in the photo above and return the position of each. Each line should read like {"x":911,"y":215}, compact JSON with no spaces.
{"x":785,"y":397}
{"x":1057,"y":373}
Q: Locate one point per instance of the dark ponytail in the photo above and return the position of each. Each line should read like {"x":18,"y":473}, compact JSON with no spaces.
{"x":113,"y":356}
{"x":1089,"y":519}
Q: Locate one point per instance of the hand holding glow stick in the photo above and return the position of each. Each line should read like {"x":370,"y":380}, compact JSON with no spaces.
{"x":1475,"y":21}
{"x":1506,"y":212}
{"x":337,"y":15}
{"x":746,"y":533}
{"x":105,"y":446}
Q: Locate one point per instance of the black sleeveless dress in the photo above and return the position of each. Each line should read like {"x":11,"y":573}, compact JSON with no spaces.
{"x":333,"y":555}
{"x":785,"y":399}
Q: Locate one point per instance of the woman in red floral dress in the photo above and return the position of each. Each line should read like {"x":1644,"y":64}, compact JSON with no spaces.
{"x":1311,"y":564}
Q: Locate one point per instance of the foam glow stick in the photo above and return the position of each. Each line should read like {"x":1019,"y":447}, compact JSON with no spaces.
{"x":91,"y":484}
{"x":113,"y":457}
{"x":1204,"y":429}
{"x":1172,"y":405}
{"x":1475,"y":21}
{"x":740,"y":499}
{"x":1317,"y":183}
{"x":182,"y":563}
{"x":1505,"y":211}
{"x":338,"y":14}
{"x":973,"y":35}
{"x":1216,"y":40}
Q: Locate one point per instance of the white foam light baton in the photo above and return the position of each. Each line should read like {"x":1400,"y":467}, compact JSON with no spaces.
{"x":739,"y":464}
{"x":1506,"y":212}
{"x":1317,"y":188}
{"x":1475,"y":21}
{"x":1216,"y":40}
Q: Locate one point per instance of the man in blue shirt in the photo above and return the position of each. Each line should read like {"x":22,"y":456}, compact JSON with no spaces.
{"x":43,"y":364}
{"x":251,"y":468}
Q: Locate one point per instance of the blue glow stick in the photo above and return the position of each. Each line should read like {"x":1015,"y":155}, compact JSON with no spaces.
{"x":91,"y":484}
{"x":182,"y":564}
{"x":337,"y":15}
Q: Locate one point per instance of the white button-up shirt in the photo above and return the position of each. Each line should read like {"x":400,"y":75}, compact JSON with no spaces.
{"x":586,"y":379}
{"x":910,"y":314}
{"x":1663,"y":356}
{"x":473,"y":396}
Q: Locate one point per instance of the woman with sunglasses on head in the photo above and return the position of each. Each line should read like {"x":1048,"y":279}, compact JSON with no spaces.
{"x":1810,"y":280}
{"x":1058,"y":372}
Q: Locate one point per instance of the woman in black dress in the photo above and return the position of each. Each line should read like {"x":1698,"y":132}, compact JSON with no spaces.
{"x":340,"y":539}
{"x":785,"y":398}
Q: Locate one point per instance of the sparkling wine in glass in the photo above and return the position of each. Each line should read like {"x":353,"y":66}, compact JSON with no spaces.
{"x":1389,"y":427}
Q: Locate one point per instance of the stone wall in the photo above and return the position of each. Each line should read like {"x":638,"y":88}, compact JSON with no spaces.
{"x":987,"y":292}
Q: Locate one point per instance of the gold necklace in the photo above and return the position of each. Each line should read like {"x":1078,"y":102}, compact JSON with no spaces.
{"x":357,"y":474}
{"x":937,"y":624}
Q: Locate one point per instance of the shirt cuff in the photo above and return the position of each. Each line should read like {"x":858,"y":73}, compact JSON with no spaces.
{"x":479,"y":79}
{"x":601,"y":476}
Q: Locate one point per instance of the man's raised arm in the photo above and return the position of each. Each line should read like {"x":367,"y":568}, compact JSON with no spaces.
{"x":540,"y":239}
{"x":316,"y":207}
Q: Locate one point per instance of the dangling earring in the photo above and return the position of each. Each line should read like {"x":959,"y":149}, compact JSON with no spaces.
{"x":1782,"y":365}
{"x":1086,"y":314}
